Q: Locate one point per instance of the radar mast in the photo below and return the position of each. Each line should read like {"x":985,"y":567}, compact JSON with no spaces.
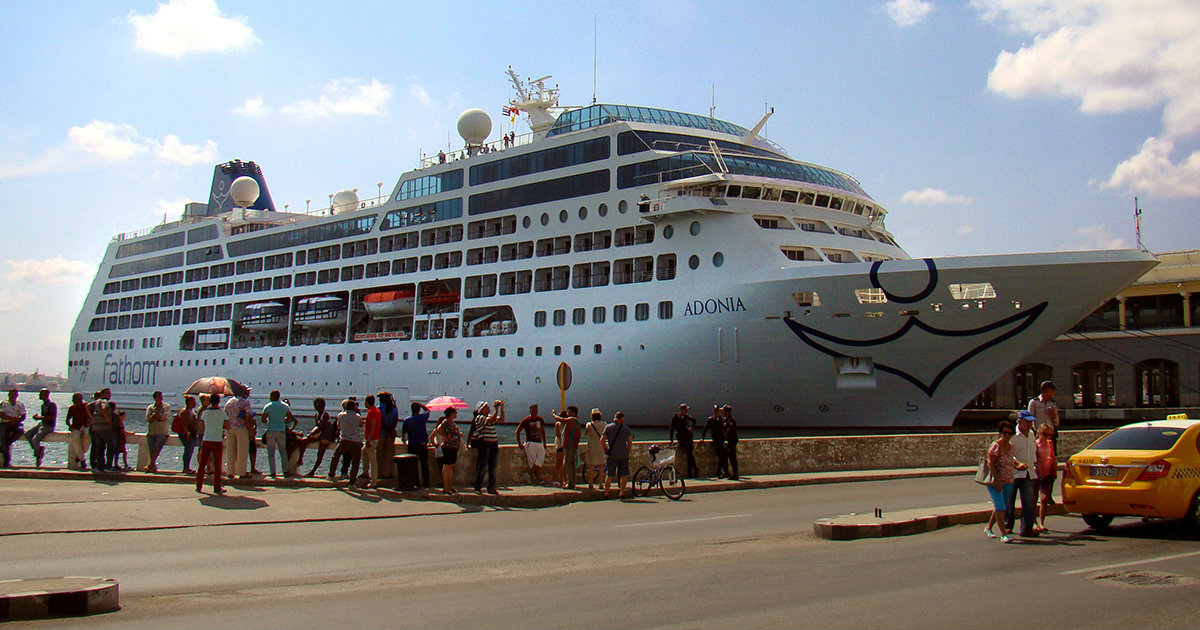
{"x":536,"y":101}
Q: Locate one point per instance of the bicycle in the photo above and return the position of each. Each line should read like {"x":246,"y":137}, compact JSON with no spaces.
{"x":660,"y":472}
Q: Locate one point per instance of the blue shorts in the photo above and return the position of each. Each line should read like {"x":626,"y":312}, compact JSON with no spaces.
{"x":617,"y":467}
{"x":1001,"y":497}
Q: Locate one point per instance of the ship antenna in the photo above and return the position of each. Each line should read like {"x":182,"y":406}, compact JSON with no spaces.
{"x":1137,"y":222}
{"x":595,"y":52}
{"x":712,"y":109}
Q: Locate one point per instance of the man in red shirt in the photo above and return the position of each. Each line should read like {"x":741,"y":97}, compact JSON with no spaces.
{"x":371,"y":432}
{"x":534,"y":444}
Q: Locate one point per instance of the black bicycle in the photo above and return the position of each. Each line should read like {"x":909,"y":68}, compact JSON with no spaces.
{"x":661,"y":472}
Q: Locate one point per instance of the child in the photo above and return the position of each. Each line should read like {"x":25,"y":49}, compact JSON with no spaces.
{"x":1047,"y":471}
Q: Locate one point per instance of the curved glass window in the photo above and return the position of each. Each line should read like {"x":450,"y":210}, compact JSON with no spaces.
{"x":303,"y":236}
{"x":596,"y":115}
{"x":145,"y":246}
{"x":424,"y":213}
{"x":430,"y":185}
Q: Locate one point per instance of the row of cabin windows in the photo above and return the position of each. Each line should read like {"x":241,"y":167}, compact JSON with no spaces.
{"x":620,"y":314}
{"x":583,"y":275}
{"x":434,"y":355}
{"x":115,"y":344}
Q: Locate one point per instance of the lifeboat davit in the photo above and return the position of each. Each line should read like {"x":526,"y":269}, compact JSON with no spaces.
{"x":265,"y":316}
{"x":325,"y":311}
{"x":386,"y":304}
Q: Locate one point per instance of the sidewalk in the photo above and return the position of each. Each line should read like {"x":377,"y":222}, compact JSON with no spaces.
{"x":78,"y":502}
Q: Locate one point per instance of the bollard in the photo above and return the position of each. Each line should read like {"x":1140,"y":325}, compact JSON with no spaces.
{"x":406,"y":471}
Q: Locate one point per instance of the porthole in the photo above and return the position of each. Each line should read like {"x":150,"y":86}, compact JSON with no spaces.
{"x":562,"y":216}
{"x":695,"y":228}
{"x":582,"y":212}
{"x":526,"y":222}
{"x":623,"y":206}
{"x":693,"y":261}
{"x":483,"y":353}
{"x":433,"y":355}
{"x":545,"y":219}
{"x":468,"y":354}
{"x":603,"y":210}
{"x":718,"y":259}
{"x":668,"y":231}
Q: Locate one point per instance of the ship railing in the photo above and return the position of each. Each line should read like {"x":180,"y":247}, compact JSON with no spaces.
{"x":443,"y":157}
{"x":363,"y":204}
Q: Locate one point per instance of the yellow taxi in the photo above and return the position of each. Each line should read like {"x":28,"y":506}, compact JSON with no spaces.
{"x":1147,"y":469}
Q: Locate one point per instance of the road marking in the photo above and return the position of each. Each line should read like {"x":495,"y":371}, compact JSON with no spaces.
{"x":1133,"y":563}
{"x":685,"y":520}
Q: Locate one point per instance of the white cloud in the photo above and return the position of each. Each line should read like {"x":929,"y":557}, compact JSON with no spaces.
{"x":182,"y":27}
{"x":112,"y":142}
{"x":173,"y":151}
{"x":57,"y":269}
{"x":1152,"y":171}
{"x":1114,"y":56}
{"x":10,"y":301}
{"x":1094,"y":237}
{"x":965,"y":229}
{"x":109,"y":142}
{"x":253,"y":108}
{"x":421,"y":94}
{"x":908,"y":12}
{"x":935,"y":197}
{"x":343,"y":97}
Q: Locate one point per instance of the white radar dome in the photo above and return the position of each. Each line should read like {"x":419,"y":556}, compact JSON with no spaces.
{"x":474,"y":125}
{"x":244,"y":191}
{"x":345,"y":201}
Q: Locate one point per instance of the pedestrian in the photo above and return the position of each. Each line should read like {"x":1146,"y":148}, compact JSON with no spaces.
{"x":568,"y":430}
{"x":350,"y":428}
{"x":389,"y":427}
{"x":1045,"y":412}
{"x":1047,"y":471}
{"x":487,"y":443}
{"x":212,"y":427}
{"x":121,"y":435}
{"x":593,"y":459}
{"x":103,"y":439}
{"x":731,"y":441}
{"x":447,"y":438}
{"x":12,"y":414}
{"x":1002,"y":465}
{"x":324,"y":433}
{"x":157,"y":430}
{"x":416,"y":439}
{"x":371,"y":430}
{"x":1025,"y":482}
{"x":278,"y":416}
{"x":534,"y":444}
{"x":716,"y":424}
{"x":48,"y":418}
{"x":683,"y":428}
{"x":237,"y":435}
{"x":187,"y":428}
{"x":618,"y":441}
{"x":79,"y":423}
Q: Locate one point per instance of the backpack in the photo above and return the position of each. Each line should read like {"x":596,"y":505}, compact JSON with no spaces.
{"x":177,"y":423}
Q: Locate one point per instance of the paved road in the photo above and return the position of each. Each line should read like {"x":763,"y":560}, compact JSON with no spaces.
{"x":733,"y":559}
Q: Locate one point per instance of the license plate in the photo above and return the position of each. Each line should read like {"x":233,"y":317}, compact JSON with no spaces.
{"x":1104,"y":471}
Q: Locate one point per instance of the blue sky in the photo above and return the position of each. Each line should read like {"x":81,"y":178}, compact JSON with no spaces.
{"x":983,"y":127}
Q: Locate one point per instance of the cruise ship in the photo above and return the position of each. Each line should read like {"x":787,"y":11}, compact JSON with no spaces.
{"x":665,"y":257}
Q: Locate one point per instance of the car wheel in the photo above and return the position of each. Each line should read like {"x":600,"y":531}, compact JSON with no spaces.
{"x":1193,"y":515}
{"x":1098,"y":521}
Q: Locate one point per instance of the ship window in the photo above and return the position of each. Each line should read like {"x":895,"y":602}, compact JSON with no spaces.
{"x":537,"y":352}
{"x":751,"y":192}
{"x":578,"y":349}
{"x":598,"y":314}
{"x":562,"y":216}
{"x":773,"y":223}
{"x":665,"y":269}
{"x":870,"y":296}
{"x":666,"y":310}
{"x":973,"y":291}
{"x":602,"y":210}
{"x":516,"y":282}
{"x":578,"y":316}
{"x":545,"y":219}
{"x":557,"y":350}
{"x":623,"y":206}
{"x":805,"y":299}
{"x":620,"y":313}
{"x":426,"y":263}
{"x":835,"y":203}
{"x":554,"y":246}
{"x":560,"y":317}
{"x":641,"y":311}
{"x":718,"y":259}
{"x":539,"y":319}
{"x":583,"y":212}
{"x":694,"y":228}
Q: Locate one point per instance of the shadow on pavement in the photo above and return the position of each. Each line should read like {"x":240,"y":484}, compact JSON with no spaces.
{"x":1159,"y":529}
{"x":226,"y":502}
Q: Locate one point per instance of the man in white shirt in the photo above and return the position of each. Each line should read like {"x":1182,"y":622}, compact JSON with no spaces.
{"x":1043,"y":408}
{"x":12,"y":414}
{"x":1025,"y":482}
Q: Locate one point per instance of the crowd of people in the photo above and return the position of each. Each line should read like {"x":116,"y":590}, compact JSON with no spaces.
{"x":1023,"y":462}
{"x":222,"y":433}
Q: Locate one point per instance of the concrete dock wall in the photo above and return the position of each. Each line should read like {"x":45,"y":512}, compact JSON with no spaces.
{"x":757,"y":456}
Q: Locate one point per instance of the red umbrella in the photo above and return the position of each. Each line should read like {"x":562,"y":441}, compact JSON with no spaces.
{"x":218,"y":385}
{"x":442,"y":403}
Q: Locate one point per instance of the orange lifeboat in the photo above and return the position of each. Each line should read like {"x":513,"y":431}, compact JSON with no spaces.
{"x":389,"y":303}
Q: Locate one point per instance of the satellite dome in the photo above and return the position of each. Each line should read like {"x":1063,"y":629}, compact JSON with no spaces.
{"x":344,"y":201}
{"x":244,"y":191}
{"x":474,"y":125}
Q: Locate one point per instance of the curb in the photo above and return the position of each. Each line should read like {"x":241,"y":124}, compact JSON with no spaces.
{"x":70,"y":596}
{"x":846,"y":529}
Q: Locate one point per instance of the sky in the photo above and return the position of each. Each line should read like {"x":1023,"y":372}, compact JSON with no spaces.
{"x":984,"y":126}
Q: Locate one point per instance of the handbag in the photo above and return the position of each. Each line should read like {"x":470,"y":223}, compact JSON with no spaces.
{"x":984,"y":475}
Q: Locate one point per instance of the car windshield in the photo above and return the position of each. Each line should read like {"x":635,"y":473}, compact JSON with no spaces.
{"x":1139,"y":438}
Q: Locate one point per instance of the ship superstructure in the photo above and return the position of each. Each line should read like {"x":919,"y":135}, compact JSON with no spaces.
{"x":667,"y":257}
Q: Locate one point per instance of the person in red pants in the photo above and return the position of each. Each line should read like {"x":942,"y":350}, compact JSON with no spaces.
{"x":212,"y":425}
